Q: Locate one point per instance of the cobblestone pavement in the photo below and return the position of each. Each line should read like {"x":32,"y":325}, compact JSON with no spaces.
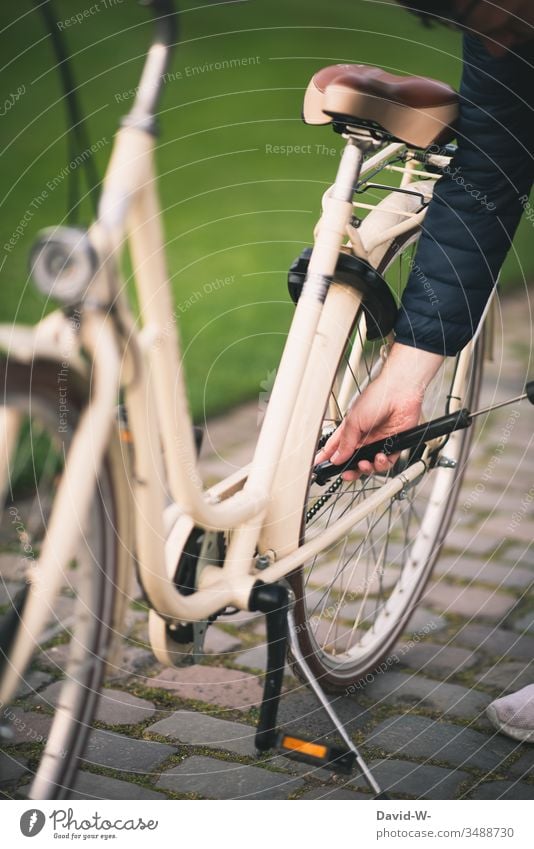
{"x":188,"y":732}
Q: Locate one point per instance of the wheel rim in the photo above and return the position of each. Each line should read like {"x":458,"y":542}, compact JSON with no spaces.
{"x":354,"y":600}
{"x":73,"y":646}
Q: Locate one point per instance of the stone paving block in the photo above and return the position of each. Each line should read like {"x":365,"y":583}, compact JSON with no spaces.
{"x":281,"y":762}
{"x":508,"y":489}
{"x":220,"y":642}
{"x":300,"y":712}
{"x":54,"y":657}
{"x":129,"y":661}
{"x":13,"y":567}
{"x":524,"y":766}
{"x":420,"y":737}
{"x":469,"y":601}
{"x":425,"y":621}
{"x":214,"y":779}
{"x":418,"y":780}
{"x":33,"y":680}
{"x":197,"y":729}
{"x":12,"y":768}
{"x":355,"y":581}
{"x":259,"y":628}
{"x":243,"y":617}
{"x":8,"y":591}
{"x":490,"y":502}
{"x":333,"y":793}
{"x":470,"y":542}
{"x":215,"y":685}
{"x":525,"y":623}
{"x":126,"y":754}
{"x":115,"y":707}
{"x":436,"y":659}
{"x":27,"y":726}
{"x":87,"y":785}
{"x":520,"y":552}
{"x":503,"y":790}
{"x":505,"y":527}
{"x":495,"y":641}
{"x":61,"y":619}
{"x":507,"y":677}
{"x":254,"y":658}
{"x":448,"y":699}
{"x":487,"y":572}
{"x":132,"y":619}
{"x":126,"y":661}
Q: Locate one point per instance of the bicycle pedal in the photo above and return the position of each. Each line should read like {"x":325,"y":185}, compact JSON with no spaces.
{"x":335,"y":758}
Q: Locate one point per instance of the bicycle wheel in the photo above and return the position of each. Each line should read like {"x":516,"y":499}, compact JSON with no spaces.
{"x":45,"y":728}
{"x":355,"y":599}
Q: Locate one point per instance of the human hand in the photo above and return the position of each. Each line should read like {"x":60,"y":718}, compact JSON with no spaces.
{"x":374,"y":415}
{"x":389,"y":404}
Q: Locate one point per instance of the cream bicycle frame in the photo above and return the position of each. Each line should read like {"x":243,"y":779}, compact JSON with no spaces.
{"x":260,"y":506}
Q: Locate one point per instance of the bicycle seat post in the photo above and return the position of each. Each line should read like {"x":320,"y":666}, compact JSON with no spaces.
{"x":337,"y":214}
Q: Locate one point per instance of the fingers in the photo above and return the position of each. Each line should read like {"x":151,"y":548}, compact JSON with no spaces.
{"x":341,"y":445}
{"x":329,"y":448}
{"x":350,"y":437}
{"x":381,"y":464}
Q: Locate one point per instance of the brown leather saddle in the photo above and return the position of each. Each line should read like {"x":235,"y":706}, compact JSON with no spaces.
{"x":418,"y":111}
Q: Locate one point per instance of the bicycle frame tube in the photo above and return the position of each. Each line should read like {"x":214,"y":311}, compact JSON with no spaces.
{"x":129,"y":208}
{"x":156,"y":397}
{"x":129,"y":194}
{"x":73,"y":498}
{"x":130,"y":191}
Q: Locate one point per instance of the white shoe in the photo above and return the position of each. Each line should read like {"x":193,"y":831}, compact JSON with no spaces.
{"x":514,"y":714}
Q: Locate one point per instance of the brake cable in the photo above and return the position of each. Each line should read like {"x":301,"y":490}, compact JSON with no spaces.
{"x":78,"y":138}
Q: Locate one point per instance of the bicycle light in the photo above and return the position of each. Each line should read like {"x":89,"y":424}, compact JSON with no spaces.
{"x":63,"y":263}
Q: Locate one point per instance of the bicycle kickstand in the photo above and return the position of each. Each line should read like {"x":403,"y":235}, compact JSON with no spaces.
{"x":275,"y":601}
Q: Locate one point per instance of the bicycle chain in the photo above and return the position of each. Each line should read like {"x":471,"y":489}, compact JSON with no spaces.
{"x":327,"y":495}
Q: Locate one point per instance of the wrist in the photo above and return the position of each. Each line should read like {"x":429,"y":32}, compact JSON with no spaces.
{"x":408,"y":371}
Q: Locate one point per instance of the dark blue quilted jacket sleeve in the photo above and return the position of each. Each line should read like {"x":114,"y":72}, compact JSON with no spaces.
{"x":476,"y":206}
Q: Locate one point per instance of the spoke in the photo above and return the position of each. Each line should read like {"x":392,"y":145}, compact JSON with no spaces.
{"x":358,"y":575}
{"x":340,"y":568}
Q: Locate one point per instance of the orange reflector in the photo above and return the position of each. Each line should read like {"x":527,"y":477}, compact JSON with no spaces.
{"x":311,"y":749}
{"x":125,"y":435}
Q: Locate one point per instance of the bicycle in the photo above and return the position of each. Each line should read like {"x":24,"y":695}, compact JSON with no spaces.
{"x":92,"y":494}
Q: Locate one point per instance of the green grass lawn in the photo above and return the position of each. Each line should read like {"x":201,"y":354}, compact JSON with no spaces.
{"x":234,"y":211}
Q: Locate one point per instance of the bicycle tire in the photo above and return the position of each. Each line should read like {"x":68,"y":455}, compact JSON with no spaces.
{"x":323,"y":634}
{"x":85,"y":607}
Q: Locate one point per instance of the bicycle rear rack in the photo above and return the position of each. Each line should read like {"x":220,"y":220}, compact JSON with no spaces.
{"x":275,"y":601}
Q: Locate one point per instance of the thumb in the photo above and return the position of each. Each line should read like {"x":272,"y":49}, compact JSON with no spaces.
{"x":329,"y":448}
{"x":350,"y":438}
